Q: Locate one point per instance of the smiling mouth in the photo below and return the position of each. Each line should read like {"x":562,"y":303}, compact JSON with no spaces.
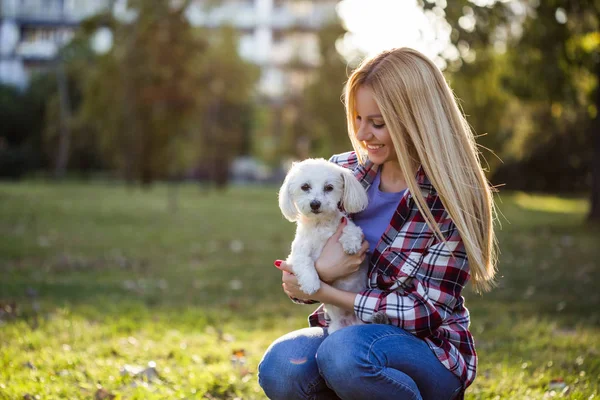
{"x":374,"y":147}
{"x":315,"y":212}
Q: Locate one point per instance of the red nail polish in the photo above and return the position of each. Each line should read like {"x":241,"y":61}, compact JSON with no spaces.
{"x":343,"y":220}
{"x":277,"y":263}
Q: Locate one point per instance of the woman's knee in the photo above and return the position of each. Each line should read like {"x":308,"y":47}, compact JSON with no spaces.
{"x":288,"y":370}
{"x":349,"y":352}
{"x":341,"y":356}
{"x":353,"y":370}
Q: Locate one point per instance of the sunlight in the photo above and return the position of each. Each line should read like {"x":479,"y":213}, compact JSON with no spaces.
{"x":384,"y":24}
{"x":550,"y":203}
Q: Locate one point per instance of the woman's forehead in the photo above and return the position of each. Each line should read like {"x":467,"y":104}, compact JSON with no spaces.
{"x":365,"y":103}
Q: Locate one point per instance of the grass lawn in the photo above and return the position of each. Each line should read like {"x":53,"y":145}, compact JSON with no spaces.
{"x":108,"y":283}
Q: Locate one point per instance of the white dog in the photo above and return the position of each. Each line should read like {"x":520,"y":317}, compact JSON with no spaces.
{"x":310,"y":196}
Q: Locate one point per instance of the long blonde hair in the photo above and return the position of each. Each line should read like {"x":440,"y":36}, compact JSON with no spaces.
{"x":428,"y":129}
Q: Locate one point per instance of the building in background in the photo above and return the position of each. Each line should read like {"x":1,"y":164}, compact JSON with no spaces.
{"x":278,"y":35}
{"x":32,"y":31}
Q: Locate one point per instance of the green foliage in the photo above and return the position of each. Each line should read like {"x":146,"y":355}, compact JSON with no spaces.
{"x":167,"y":94}
{"x":13,"y":159}
{"x":228,"y":87}
{"x":527,"y":81}
{"x":103,"y":277}
{"x":321,"y":121}
{"x":13,"y":115}
{"x":22,"y":115}
{"x":139,"y":97}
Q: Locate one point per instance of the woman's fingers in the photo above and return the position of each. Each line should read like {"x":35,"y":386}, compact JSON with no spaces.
{"x":340,"y":229}
{"x":289,"y":278}
{"x":282,"y":265}
{"x":364,"y":247}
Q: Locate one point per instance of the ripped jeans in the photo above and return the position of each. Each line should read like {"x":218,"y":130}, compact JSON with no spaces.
{"x":358,"y":362}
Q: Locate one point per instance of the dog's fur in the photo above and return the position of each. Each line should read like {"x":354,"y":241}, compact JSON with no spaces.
{"x":326,"y":185}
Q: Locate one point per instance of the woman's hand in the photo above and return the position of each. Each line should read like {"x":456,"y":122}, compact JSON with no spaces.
{"x":290,"y":283}
{"x":325,"y":294}
{"x":334,"y":263}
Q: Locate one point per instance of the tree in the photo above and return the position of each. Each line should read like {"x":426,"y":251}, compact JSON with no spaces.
{"x":15,"y":122}
{"x":141,"y":97}
{"x":551,"y":54}
{"x":321,"y":122}
{"x":229,"y":84}
{"x":167,"y":95}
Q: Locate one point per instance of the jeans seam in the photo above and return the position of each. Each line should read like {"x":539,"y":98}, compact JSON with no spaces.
{"x":404,"y":385}
{"x":392,"y":379}
{"x":385,"y":337}
{"x":456,"y":392}
{"x":311,"y":389}
{"x":381,"y":371}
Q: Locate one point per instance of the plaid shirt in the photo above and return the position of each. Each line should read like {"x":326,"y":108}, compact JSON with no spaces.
{"x":416,"y":279}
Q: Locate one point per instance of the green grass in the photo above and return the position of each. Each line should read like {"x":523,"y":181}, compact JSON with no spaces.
{"x":105,"y":278}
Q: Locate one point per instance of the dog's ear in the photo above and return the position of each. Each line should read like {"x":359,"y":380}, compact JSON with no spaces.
{"x":355,"y":197}
{"x":286,"y":205}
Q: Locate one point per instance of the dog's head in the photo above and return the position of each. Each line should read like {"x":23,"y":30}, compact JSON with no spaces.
{"x":315,"y":187}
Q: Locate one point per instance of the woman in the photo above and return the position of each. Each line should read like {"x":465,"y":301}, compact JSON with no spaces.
{"x":429,"y":228}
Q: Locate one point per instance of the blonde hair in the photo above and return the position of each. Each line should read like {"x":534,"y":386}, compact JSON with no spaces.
{"x":427,"y":128}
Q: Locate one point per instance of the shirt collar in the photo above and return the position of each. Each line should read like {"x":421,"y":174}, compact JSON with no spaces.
{"x":365,"y":173}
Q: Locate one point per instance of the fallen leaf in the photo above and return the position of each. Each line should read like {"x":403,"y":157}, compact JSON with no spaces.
{"x":29,"y":365}
{"x":239,"y":353}
{"x":102,"y":394}
{"x":557,"y":384}
{"x":235,"y":284}
{"x":238,"y":361}
{"x":149,"y":374}
{"x":236,"y":246}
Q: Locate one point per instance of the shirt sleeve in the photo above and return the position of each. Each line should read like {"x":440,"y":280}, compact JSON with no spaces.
{"x":298,"y":301}
{"x":427,"y":293}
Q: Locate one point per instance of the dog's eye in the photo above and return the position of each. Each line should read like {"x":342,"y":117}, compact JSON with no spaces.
{"x":305,"y":187}
{"x":328,"y":188}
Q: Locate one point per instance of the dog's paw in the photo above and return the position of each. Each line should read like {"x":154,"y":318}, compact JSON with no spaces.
{"x":350,"y":244}
{"x":380,"y":318}
{"x":309,"y":285}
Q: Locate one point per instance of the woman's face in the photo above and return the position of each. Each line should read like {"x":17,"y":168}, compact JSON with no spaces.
{"x":371,"y":130}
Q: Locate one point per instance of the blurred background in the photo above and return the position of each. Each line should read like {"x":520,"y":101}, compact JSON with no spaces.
{"x":143,"y":142}
{"x":222,"y":90}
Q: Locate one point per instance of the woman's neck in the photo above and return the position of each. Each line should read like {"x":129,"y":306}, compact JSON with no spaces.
{"x":392,"y":179}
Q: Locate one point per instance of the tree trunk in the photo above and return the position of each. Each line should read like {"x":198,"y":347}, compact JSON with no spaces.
{"x":172,"y":196}
{"x":131,"y":142}
{"x":64,"y":140}
{"x":594,"y":215}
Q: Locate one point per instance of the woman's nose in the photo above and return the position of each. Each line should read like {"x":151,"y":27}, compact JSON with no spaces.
{"x":363,"y":133}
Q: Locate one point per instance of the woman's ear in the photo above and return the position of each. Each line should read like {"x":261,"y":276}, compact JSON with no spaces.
{"x":286,"y":204}
{"x":355,"y":197}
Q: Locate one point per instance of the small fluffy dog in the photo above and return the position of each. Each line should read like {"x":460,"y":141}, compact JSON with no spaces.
{"x":310,"y":196}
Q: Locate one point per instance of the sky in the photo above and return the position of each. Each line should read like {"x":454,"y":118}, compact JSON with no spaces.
{"x":382,"y":24}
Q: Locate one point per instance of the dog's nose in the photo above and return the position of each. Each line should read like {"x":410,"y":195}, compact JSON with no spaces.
{"x":315,"y":204}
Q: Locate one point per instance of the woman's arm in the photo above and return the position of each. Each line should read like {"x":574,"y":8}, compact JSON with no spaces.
{"x":326,"y":293}
{"x":333,"y":263}
{"x":429,"y":294}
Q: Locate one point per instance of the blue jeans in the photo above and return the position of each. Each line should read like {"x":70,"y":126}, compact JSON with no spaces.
{"x":358,"y":362}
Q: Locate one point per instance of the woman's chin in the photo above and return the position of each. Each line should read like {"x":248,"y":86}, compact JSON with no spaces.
{"x":378,"y":156}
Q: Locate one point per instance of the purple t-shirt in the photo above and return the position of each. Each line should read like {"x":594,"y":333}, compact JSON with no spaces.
{"x":375,"y":219}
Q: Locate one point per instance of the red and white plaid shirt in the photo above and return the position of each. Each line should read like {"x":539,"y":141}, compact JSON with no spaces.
{"x":416,"y":279}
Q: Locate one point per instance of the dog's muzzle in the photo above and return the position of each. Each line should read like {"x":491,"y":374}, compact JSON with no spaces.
{"x":315,"y":205}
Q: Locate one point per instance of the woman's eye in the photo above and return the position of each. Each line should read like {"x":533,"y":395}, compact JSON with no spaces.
{"x":305,"y":187}
{"x":378,"y":126}
{"x":328,"y":188}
